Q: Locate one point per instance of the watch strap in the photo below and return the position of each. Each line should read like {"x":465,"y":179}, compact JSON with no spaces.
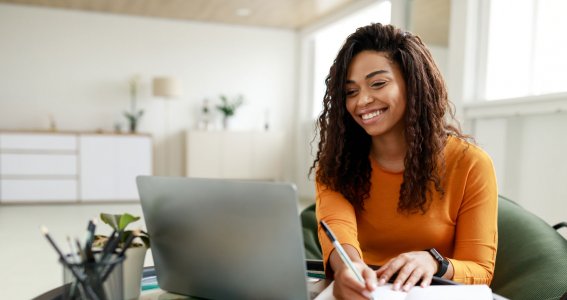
{"x":443,"y":263}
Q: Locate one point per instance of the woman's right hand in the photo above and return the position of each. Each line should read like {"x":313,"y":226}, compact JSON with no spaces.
{"x":347,"y":286}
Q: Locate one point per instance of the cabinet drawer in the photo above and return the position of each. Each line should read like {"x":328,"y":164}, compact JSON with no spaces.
{"x":17,"y":190}
{"x":33,"y":142}
{"x":38,"y":164}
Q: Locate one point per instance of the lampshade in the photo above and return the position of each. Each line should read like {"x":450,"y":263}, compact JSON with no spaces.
{"x":167,"y":87}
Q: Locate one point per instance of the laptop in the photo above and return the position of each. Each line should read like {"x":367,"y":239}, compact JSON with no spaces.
{"x":224,"y":239}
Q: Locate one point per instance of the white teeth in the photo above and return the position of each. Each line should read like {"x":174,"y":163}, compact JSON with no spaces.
{"x":371,"y":115}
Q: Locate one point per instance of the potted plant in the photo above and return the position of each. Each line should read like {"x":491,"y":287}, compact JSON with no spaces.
{"x":228,"y":108}
{"x":133,"y":116}
{"x":135,"y":254}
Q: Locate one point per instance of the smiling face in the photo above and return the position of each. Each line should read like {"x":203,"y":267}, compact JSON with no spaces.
{"x":376,"y":94}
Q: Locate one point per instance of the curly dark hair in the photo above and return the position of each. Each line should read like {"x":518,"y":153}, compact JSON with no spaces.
{"x":342,"y":162}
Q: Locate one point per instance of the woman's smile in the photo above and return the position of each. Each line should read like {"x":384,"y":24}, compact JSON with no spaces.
{"x":368,"y":117}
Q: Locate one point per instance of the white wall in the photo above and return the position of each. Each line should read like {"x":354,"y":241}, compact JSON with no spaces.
{"x":76,"y":66}
{"x":529,"y":156}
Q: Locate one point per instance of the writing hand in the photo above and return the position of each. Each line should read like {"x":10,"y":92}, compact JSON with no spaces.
{"x":347,"y":285}
{"x":412,"y":267}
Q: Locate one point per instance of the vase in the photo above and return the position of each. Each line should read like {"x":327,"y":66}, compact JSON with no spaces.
{"x":225,"y":123}
{"x":133,"y":125}
{"x":132,"y":271}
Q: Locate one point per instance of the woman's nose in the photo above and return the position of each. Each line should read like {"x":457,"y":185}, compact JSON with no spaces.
{"x":365,"y":99}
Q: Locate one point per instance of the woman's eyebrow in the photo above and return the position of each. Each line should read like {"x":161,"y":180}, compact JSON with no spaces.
{"x":370,"y":75}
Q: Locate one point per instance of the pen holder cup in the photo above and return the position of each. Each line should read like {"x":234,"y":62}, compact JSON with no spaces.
{"x":100,"y":280}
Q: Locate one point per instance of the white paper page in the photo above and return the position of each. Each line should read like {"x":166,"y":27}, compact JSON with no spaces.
{"x":384,"y":292}
{"x":327,"y":293}
{"x":434,"y":292}
{"x":451,"y":292}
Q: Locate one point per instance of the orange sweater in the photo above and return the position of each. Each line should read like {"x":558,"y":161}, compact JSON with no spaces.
{"x":461,"y":225}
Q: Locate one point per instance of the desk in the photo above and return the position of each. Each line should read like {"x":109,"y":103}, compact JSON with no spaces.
{"x":315,"y":286}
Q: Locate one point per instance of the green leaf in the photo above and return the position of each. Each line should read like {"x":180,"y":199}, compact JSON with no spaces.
{"x":228,"y":108}
{"x":126,"y":219}
{"x":111,"y":220}
{"x":119,"y":223}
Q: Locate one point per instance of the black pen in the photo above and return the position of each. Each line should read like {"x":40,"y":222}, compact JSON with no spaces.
{"x":79,"y":276}
{"x":89,"y":240}
{"x":61,"y":255}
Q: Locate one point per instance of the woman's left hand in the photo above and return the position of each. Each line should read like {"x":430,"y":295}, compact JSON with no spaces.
{"x":412,"y":267}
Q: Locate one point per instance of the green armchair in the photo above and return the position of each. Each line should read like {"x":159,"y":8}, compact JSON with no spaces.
{"x":310,"y":237}
{"x":531,"y":262}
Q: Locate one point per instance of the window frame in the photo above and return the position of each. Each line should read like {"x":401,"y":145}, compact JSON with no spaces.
{"x":475,"y":105}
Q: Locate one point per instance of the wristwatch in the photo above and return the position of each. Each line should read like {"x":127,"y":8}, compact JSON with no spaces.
{"x":442,"y":261}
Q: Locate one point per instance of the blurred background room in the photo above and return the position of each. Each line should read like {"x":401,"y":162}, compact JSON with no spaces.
{"x":96,"y":92}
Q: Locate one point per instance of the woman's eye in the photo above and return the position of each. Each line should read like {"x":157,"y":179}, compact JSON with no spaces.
{"x":377,"y":84}
{"x":350,"y":92}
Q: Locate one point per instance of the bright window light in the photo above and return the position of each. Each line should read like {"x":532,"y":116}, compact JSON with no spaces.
{"x":328,"y":40}
{"x":550,"y":47}
{"x":526,"y":48}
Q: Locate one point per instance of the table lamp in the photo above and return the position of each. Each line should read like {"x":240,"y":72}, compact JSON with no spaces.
{"x":167,"y":87}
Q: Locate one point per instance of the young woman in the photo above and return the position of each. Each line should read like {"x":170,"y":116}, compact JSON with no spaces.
{"x":399,"y":186}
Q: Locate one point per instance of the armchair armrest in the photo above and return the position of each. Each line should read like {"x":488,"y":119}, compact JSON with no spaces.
{"x":559,"y":225}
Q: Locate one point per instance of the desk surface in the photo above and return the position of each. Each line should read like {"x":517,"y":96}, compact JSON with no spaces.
{"x":315,"y":286}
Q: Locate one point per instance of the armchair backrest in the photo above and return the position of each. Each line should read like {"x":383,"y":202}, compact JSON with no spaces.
{"x":310,"y":238}
{"x":531,"y":262}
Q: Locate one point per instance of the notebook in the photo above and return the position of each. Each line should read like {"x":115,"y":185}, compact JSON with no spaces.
{"x":224,"y":239}
{"x":433,"y":292}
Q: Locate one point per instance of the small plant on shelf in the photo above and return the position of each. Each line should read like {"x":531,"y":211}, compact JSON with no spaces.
{"x":228,"y":108}
{"x":133,"y":116}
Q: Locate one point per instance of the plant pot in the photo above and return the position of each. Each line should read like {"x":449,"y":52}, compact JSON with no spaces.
{"x":225,"y":123}
{"x":132,"y":271}
{"x":133,"y":125}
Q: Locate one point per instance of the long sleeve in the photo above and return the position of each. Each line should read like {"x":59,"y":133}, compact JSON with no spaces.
{"x":339,"y":214}
{"x":476,"y":234}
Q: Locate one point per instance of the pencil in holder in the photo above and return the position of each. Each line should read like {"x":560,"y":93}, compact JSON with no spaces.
{"x":94,"y":280}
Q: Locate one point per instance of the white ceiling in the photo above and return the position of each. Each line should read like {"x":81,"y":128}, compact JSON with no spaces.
{"x":291,"y":14}
{"x":428,"y":18}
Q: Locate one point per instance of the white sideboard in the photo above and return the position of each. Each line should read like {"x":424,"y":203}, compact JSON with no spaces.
{"x":71,"y":167}
{"x":38,"y":167}
{"x":110,"y":164}
{"x":235,"y":154}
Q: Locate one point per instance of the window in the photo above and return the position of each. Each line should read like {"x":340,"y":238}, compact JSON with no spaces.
{"x":328,"y":40}
{"x":527,"y":43}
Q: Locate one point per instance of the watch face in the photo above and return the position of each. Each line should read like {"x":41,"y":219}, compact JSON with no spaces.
{"x":436,"y":254}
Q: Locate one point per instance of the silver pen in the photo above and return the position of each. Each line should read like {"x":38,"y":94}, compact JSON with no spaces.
{"x":342,"y":253}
